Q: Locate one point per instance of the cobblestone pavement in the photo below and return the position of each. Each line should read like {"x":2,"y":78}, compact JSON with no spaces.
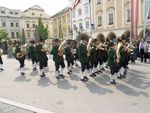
{"x":70,"y":95}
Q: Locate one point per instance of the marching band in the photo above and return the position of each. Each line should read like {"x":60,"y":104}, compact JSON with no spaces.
{"x":94,"y":55}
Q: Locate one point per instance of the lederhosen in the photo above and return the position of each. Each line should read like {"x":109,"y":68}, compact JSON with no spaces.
{"x":93,"y":57}
{"x":41,"y":57}
{"x":59,"y":60}
{"x":32,"y":53}
{"x":69,"y":56}
{"x":83,"y":58}
{"x":1,"y":61}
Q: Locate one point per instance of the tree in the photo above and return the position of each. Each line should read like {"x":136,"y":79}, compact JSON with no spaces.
{"x":41,"y":32}
{"x":3,"y":35}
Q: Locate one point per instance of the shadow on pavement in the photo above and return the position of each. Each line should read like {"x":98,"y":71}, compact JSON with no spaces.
{"x":22,"y":79}
{"x":74,"y":76}
{"x":129,"y":91}
{"x":64,"y":84}
{"x":94,"y":88}
{"x":34,"y":73}
{"x":44,"y":82}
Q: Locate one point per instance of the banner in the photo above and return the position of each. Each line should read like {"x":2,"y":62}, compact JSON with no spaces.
{"x":134,"y":19}
{"x":76,"y":3}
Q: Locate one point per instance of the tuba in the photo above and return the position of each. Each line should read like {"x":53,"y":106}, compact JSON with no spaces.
{"x":61,"y":48}
{"x":21,"y":54}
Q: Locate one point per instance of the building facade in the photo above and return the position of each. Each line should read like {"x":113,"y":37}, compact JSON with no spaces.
{"x":10,"y":21}
{"x":61,"y":24}
{"x":29,"y":20}
{"x":13,"y":21}
{"x":81,"y":17}
{"x":114,"y":15}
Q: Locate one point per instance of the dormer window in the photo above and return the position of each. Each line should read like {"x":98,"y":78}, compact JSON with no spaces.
{"x":3,"y":12}
{"x":10,"y":12}
{"x":16,"y":13}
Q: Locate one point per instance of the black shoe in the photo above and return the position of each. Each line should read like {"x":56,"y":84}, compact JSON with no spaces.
{"x":43,"y":75}
{"x":34,"y":69}
{"x":123,"y":76}
{"x":69,"y":72}
{"x":100,"y":71}
{"x":59,"y":77}
{"x":1,"y":69}
{"x":103,"y":69}
{"x":62,"y":76}
{"x":84,"y":80}
{"x":113,"y":82}
{"x":22,"y":73}
{"x":92,"y":75}
{"x":120,"y":77}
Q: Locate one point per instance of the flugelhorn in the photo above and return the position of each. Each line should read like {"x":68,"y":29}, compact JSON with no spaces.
{"x":89,"y":47}
{"x":61,"y":48}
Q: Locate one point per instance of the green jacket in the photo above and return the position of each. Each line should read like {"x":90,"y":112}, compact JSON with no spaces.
{"x":93,"y":54}
{"x":32,"y":52}
{"x":111,"y":57}
{"x":82,"y":51}
{"x":68,"y":54}
{"x":122,"y":54}
{"x":54,"y":52}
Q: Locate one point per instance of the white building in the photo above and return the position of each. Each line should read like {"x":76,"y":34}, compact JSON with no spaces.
{"x":29,"y":20}
{"x":81,"y":17}
{"x":10,"y":21}
{"x":13,"y":21}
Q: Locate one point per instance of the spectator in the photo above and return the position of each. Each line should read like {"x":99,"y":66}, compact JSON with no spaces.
{"x":141,"y":49}
{"x":149,"y":51}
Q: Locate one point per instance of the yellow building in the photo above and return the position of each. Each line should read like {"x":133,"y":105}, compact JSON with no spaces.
{"x":114,"y":15}
{"x":61,"y":24}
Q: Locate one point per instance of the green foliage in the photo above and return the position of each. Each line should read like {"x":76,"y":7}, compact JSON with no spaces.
{"x":3,"y":35}
{"x":41,"y":32}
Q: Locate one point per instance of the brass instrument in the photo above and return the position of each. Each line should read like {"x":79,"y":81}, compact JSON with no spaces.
{"x":61,"y":48}
{"x":45,"y":48}
{"x":89,"y":47}
{"x":21,"y":54}
{"x":118,"y":51}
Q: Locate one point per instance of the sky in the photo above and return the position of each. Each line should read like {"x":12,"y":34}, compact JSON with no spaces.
{"x":51,"y":7}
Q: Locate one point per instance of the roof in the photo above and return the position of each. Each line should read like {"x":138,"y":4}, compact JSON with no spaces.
{"x":61,"y":12}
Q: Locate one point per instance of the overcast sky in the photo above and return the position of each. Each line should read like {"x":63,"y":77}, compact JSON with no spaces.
{"x":50,"y":6}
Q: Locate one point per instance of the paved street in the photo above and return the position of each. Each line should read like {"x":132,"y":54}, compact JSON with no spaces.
{"x":71,"y":95}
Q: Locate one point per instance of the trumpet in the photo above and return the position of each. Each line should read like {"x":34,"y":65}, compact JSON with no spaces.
{"x":61,"y":48}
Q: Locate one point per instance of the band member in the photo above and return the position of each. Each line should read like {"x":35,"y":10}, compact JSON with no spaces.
{"x":42,"y":58}
{"x":32,"y":53}
{"x":1,"y":61}
{"x":57,"y":52}
{"x":112,"y":61}
{"x":69,"y":57}
{"x":83,"y":58}
{"x":93,"y":58}
{"x":20,"y":52}
{"x":75,"y":53}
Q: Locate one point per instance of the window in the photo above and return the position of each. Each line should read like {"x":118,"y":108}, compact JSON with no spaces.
{"x":99,"y":2}
{"x":33,"y":25}
{"x":28,"y":26}
{"x":28,"y":34}
{"x":17,"y":24}
{"x":12,"y":24}
{"x":33,"y":14}
{"x":86,"y":10}
{"x":74,"y":27}
{"x":73,"y":14}
{"x":16,"y":13}
{"x":99,"y":21}
{"x":128,"y":15}
{"x":17,"y":34}
{"x":79,"y":12}
{"x":3,"y":12}
{"x":40,"y":14}
{"x":80,"y":26}
{"x":87,"y":25}
{"x":110,"y":16}
{"x":10,"y":12}
{"x":148,"y":14}
{"x":3,"y":24}
{"x":12,"y":35}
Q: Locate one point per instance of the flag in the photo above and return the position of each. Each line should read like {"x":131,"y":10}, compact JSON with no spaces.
{"x":76,"y":3}
{"x":134,"y":19}
{"x":146,"y":14}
